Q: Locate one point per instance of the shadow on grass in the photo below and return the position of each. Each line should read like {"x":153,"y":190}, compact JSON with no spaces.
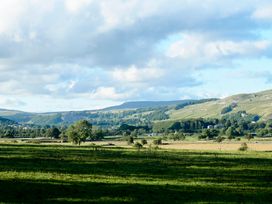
{"x":229,"y":178}
{"x":28,"y":191}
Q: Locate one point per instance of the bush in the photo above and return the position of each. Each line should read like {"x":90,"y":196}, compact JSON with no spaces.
{"x":151,"y":147}
{"x":138,"y":145}
{"x":34,"y":141}
{"x":243,"y":147}
{"x":226,"y":110}
{"x":200,"y":137}
{"x":230,"y":137}
{"x":157,"y":141}
{"x":209,"y":133}
{"x":143,"y":141}
{"x":177,"y":136}
{"x":249,"y":137}
{"x":220,"y":139}
{"x":130,"y":140}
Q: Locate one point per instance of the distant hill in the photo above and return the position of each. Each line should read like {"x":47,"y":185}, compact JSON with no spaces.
{"x":148,"y":104}
{"x":255,"y":103}
{"x":5,"y":121}
{"x":139,"y":112}
{"x":146,"y":112}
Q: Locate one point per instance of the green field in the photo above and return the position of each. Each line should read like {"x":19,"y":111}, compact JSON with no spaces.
{"x":60,"y":174}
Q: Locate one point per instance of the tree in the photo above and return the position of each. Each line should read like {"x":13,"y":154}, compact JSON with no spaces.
{"x":134,"y":133}
{"x":80,"y":131}
{"x":63,"y":136}
{"x":226,"y":110}
{"x":176,"y":126}
{"x":209,"y":133}
{"x":53,"y":132}
{"x":130,"y":140}
{"x":230,"y":132}
{"x":10,"y":133}
{"x":144,"y":141}
{"x":97,"y":134}
{"x":243,"y":147}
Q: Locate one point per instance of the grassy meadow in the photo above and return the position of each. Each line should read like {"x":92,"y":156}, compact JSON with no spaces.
{"x":61,"y":174}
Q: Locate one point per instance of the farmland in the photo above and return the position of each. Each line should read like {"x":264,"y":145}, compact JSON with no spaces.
{"x":60,"y":174}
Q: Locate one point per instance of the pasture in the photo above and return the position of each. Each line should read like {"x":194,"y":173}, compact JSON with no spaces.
{"x":63,"y":173}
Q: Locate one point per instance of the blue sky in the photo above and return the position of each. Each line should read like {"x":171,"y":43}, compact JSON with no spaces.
{"x":88,"y":54}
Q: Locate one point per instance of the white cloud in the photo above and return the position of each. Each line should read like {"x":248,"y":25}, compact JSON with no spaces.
{"x":65,"y":49}
{"x":10,"y":13}
{"x":134,"y":74}
{"x":109,"y":93}
{"x":263,"y":13}
{"x":74,"y":6}
{"x":120,"y":13}
{"x":195,"y":47}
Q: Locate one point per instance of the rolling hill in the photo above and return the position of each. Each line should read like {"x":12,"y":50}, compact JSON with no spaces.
{"x":5,"y":121}
{"x":146,"y":104}
{"x":255,"y":103}
{"x":138,"y":112}
{"x":144,"y":112}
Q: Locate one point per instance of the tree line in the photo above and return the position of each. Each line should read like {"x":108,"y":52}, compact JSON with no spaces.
{"x":233,"y":125}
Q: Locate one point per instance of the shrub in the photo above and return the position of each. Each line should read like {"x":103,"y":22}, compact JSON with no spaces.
{"x":209,"y":133}
{"x":219,"y":139}
{"x":243,"y":147}
{"x":130,"y":140}
{"x":177,"y":136}
{"x":249,"y":137}
{"x":226,"y":110}
{"x":144,"y":141}
{"x":202,"y":136}
{"x":230,"y":137}
{"x":138,"y":145}
{"x":157,"y":141}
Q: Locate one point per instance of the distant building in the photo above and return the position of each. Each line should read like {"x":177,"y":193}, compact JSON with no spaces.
{"x":210,"y":127}
{"x":243,"y":115}
{"x":152,"y":134}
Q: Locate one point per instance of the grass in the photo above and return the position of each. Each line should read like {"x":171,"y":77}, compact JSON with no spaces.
{"x":61,"y":174}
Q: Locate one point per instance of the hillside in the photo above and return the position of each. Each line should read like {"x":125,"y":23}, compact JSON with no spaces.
{"x":146,"y":104}
{"x":256,"y":103}
{"x":140,"y":112}
{"x":145,"y":112}
{"x":5,"y":121}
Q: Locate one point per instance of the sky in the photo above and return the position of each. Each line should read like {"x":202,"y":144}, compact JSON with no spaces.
{"x":59,"y":55}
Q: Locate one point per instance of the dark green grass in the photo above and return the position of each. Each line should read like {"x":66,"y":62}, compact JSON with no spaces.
{"x":61,"y":174}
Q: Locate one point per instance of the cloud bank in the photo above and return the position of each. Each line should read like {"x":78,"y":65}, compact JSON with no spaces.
{"x":83,"y":54}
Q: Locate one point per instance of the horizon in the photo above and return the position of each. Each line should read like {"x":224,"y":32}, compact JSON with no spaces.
{"x":124,"y":102}
{"x":73,"y":55}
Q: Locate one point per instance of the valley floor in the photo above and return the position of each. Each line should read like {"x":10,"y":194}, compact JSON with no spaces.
{"x":198,"y":145}
{"x":62,"y":173}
